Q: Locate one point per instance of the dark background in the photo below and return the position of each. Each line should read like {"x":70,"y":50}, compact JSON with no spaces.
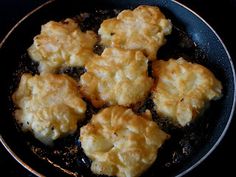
{"x":221,"y":15}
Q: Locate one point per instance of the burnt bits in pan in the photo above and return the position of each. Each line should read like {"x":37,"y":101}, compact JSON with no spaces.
{"x":67,"y":154}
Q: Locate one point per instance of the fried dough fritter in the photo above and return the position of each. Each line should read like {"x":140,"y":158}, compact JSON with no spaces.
{"x":121,"y":143}
{"x":62,"y":44}
{"x":143,"y":29}
{"x":118,"y":76}
{"x":183,"y":89}
{"x":49,"y":105}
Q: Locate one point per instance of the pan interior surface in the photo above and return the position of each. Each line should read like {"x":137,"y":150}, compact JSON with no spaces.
{"x":192,"y":38}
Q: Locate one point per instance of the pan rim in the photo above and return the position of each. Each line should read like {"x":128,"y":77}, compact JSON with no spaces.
{"x":198,"y":162}
{"x":23,"y":19}
{"x":234,"y":99}
{"x":3,"y":142}
{"x":18,"y":159}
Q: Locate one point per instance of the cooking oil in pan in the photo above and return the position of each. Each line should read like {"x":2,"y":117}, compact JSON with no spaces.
{"x":67,"y":154}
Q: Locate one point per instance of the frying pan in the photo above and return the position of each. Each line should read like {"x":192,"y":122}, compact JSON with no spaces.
{"x":192,"y":38}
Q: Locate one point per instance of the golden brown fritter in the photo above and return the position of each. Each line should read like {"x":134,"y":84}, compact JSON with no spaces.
{"x":118,"y":76}
{"x":143,"y":29}
{"x":62,"y":44}
{"x":183,"y":89}
{"x":49,"y":105}
{"x":121,"y":143}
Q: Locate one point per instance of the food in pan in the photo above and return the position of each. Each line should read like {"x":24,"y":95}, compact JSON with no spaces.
{"x":62,"y":44}
{"x":49,"y":105}
{"x":118,"y":141}
{"x":121,"y":143}
{"x":183,"y":89}
{"x":143,"y":28}
{"x":118,"y":76}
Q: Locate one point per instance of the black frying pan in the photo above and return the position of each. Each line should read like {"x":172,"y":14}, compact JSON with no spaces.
{"x":187,"y":148}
